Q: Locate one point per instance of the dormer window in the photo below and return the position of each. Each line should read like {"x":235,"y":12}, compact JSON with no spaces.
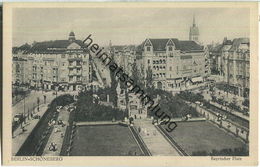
{"x":148,"y":48}
{"x":170,"y":48}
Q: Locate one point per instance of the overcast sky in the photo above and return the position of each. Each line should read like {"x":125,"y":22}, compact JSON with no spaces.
{"x":128,"y":26}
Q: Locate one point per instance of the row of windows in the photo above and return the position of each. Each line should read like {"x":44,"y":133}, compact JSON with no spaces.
{"x":159,"y":67}
{"x":74,"y":56}
{"x":159,"y":61}
{"x":71,"y":78}
{"x":71,"y":63}
{"x":159,"y":75}
{"x":148,"y":48}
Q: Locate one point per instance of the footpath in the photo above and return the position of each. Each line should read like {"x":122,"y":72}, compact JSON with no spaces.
{"x":57,"y":134}
{"x":153,"y":139}
{"x":234,"y":112}
{"x":19,"y":136}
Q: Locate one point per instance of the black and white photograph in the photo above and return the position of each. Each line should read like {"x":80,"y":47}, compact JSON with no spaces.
{"x":131,"y":81}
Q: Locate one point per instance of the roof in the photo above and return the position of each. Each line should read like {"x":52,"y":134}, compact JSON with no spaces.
{"x":23,"y":48}
{"x":160,"y":45}
{"x":123,"y":47}
{"x":217,"y":48}
{"x":71,"y":33}
{"x":190,"y":46}
{"x":49,"y":46}
{"x":237,"y":42}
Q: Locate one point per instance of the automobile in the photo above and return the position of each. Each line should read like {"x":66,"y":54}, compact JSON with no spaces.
{"x":18,"y":118}
{"x":197,"y":102}
{"x":36,"y":116}
{"x":71,"y":108}
{"x":58,"y":108}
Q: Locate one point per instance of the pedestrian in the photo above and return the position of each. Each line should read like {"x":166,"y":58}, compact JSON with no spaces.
{"x":139,"y":129}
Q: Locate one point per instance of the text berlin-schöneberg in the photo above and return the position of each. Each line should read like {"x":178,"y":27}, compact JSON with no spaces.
{"x":127,"y":81}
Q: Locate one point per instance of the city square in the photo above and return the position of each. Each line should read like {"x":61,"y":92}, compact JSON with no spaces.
{"x":162,"y":95}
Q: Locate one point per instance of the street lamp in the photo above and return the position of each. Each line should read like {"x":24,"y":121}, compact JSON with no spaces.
{"x":24,"y":117}
{"x":38,"y":103}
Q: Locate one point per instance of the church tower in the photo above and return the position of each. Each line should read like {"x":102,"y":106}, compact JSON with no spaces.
{"x":194,"y":31}
{"x":72,"y":36}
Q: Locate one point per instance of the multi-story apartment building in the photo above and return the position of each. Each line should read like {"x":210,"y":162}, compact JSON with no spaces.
{"x":175,"y":64}
{"x":230,"y":60}
{"x":59,"y":64}
{"x":20,"y":64}
{"x":236,"y":65}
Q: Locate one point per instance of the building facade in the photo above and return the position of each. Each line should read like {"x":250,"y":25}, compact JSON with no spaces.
{"x":231,"y":61}
{"x":125,"y":57}
{"x":59,"y":64}
{"x":174,"y":64}
{"x":236,"y":66}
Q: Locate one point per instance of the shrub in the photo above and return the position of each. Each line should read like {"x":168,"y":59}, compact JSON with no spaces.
{"x":62,"y":100}
{"x":246,"y":103}
{"x":86,"y":110}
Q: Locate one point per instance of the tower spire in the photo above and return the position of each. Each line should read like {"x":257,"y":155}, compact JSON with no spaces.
{"x":194,"y":24}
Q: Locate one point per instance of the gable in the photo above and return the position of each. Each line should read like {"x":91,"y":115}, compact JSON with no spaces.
{"x":170,"y":43}
{"x":148,"y":43}
{"x":73,"y":46}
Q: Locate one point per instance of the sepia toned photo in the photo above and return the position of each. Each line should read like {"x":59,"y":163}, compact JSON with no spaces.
{"x":94,"y":81}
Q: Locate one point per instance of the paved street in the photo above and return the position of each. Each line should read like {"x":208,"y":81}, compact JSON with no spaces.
{"x":207,"y":96}
{"x":154,"y":140}
{"x":19,"y":137}
{"x":57,"y":136}
{"x":31,"y":101}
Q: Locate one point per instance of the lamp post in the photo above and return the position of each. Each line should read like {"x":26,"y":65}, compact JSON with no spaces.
{"x":38,"y":103}
{"x":24,"y":117}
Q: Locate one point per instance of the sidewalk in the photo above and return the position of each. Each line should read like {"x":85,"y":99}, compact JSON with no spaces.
{"x":239,"y":114}
{"x":19,"y":137}
{"x":155,"y":142}
{"x":207,"y":96}
{"x":56,"y":137}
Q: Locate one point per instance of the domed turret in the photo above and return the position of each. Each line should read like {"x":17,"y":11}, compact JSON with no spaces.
{"x":72,"y":36}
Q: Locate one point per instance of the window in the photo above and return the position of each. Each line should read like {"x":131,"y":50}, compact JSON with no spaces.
{"x":63,"y":56}
{"x":170,"y":48}
{"x":148,"y":48}
{"x":148,"y":61}
{"x":70,"y":78}
{"x":170,"y":68}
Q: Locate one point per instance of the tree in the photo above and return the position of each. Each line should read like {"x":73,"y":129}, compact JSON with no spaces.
{"x":113,"y":93}
{"x":149,"y":78}
{"x":136,"y":76}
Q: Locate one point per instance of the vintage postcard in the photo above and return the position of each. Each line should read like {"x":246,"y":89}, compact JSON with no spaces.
{"x":130,"y":84}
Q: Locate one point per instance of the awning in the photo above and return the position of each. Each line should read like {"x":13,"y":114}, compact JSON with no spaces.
{"x":197,"y":79}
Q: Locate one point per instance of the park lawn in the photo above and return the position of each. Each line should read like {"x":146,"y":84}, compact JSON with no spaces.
{"x":203,"y":136}
{"x":104,"y":140}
